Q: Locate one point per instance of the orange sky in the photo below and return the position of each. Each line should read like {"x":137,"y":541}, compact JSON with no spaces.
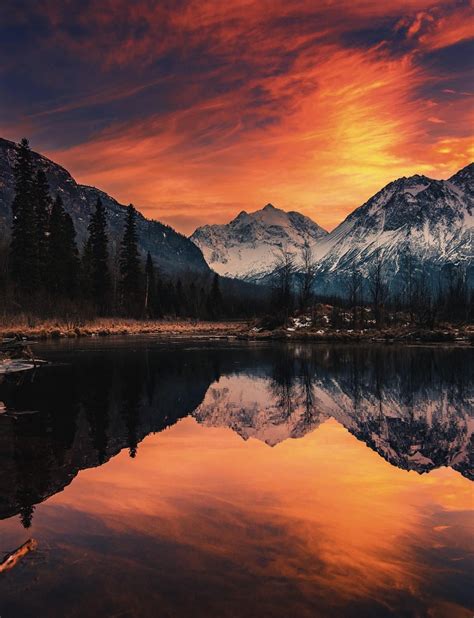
{"x":199,"y":110}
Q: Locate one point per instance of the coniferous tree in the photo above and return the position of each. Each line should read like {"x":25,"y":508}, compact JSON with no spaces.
{"x":130,"y":263}
{"x":215,"y":298}
{"x":55,"y":248}
{"x":193,"y":301}
{"x":23,"y":249}
{"x":63,"y":262}
{"x":42,"y":205}
{"x":179,"y":299}
{"x":96,"y":258}
{"x":71,"y":256}
{"x":150,"y":287}
{"x":85,"y":271}
{"x":159,"y":294}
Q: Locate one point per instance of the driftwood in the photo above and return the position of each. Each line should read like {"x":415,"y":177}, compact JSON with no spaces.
{"x":11,"y":559}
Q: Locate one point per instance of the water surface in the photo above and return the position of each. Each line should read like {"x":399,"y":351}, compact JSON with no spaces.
{"x":238,"y":480}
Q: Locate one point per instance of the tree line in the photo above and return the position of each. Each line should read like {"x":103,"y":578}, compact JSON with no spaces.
{"x":45,"y":271}
{"x":419,"y":296}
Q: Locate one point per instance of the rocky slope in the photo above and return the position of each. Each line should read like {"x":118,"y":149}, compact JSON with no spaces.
{"x":432,"y":221}
{"x":171,"y":251}
{"x":248,"y":246}
{"x":416,"y":423}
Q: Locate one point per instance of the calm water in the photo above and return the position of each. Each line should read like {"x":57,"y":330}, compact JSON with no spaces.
{"x":237,"y":480}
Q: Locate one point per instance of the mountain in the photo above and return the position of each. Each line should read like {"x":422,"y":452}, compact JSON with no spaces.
{"x":171,"y":251}
{"x":399,"y":404}
{"x":247,"y":247}
{"x":431,"y":220}
{"x":413,"y":406}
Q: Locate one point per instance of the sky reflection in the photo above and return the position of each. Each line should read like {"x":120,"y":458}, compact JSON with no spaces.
{"x":322,"y":524}
{"x":219,"y":513}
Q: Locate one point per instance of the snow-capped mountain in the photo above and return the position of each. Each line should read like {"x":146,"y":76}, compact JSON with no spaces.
{"x":247,"y":247}
{"x":430,"y":220}
{"x":420,"y":427}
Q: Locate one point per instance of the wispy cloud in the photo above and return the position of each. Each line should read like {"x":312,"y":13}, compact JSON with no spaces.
{"x":194,"y":110}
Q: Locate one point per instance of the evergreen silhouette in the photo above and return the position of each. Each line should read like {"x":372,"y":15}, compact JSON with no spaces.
{"x":63,"y":263}
{"x":23,"y":248}
{"x":130,"y":263}
{"x":42,"y":206}
{"x":26,"y":515}
{"x":151,"y":291}
{"x":215,"y":298}
{"x":179,"y":299}
{"x":96,"y":259}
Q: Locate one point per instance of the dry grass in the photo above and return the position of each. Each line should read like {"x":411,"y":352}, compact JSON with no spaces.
{"x":34,"y":328}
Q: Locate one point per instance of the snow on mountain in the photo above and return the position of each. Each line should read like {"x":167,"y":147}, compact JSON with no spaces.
{"x":433,"y":220}
{"x":247,"y":247}
{"x":431,"y":427}
{"x":247,"y":405}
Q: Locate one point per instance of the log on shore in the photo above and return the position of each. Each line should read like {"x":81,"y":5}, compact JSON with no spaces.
{"x":11,"y":559}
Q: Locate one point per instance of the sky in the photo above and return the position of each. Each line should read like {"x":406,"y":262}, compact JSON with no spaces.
{"x":194,"y":110}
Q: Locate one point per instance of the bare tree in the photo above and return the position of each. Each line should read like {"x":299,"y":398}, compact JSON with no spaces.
{"x":308,"y":275}
{"x":457,"y":294}
{"x":409,"y":283}
{"x":354,"y":289}
{"x":283,"y":275}
{"x":378,"y":287}
{"x":423,"y":301}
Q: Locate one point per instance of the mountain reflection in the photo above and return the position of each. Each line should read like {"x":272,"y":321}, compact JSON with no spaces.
{"x":411,"y":405}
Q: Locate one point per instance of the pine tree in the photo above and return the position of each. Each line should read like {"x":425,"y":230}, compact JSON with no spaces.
{"x":150,"y":287}
{"x":23,"y":249}
{"x":42,"y":205}
{"x":55,"y":246}
{"x":71,"y":257}
{"x":130,"y":264}
{"x":215,"y":298}
{"x":85,"y":272}
{"x":97,"y":258}
{"x":63,"y":262}
{"x":179,"y":299}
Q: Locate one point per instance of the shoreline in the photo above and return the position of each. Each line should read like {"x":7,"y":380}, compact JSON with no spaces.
{"x":235,"y":330}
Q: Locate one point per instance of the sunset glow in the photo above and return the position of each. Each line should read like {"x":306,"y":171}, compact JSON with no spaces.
{"x":332,"y":518}
{"x":195,"y":110}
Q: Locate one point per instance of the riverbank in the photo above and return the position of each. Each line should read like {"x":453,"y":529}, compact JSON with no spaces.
{"x":242,"y":330}
{"x":103,"y":327}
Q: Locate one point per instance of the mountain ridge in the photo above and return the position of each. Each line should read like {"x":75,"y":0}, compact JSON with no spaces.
{"x":172,"y":252}
{"x":430,"y":220}
{"x":235,"y":248}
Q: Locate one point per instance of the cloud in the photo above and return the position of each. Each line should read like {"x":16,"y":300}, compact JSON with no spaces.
{"x":194,"y":110}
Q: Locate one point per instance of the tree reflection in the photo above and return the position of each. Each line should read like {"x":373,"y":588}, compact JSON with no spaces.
{"x":411,"y":405}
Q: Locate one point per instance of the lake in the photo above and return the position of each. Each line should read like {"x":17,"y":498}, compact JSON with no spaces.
{"x":232,"y":480}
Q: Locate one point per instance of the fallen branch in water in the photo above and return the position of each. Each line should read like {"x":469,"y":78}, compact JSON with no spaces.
{"x":11,"y":559}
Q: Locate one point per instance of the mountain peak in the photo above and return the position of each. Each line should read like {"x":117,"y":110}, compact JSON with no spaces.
{"x":246,"y":247}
